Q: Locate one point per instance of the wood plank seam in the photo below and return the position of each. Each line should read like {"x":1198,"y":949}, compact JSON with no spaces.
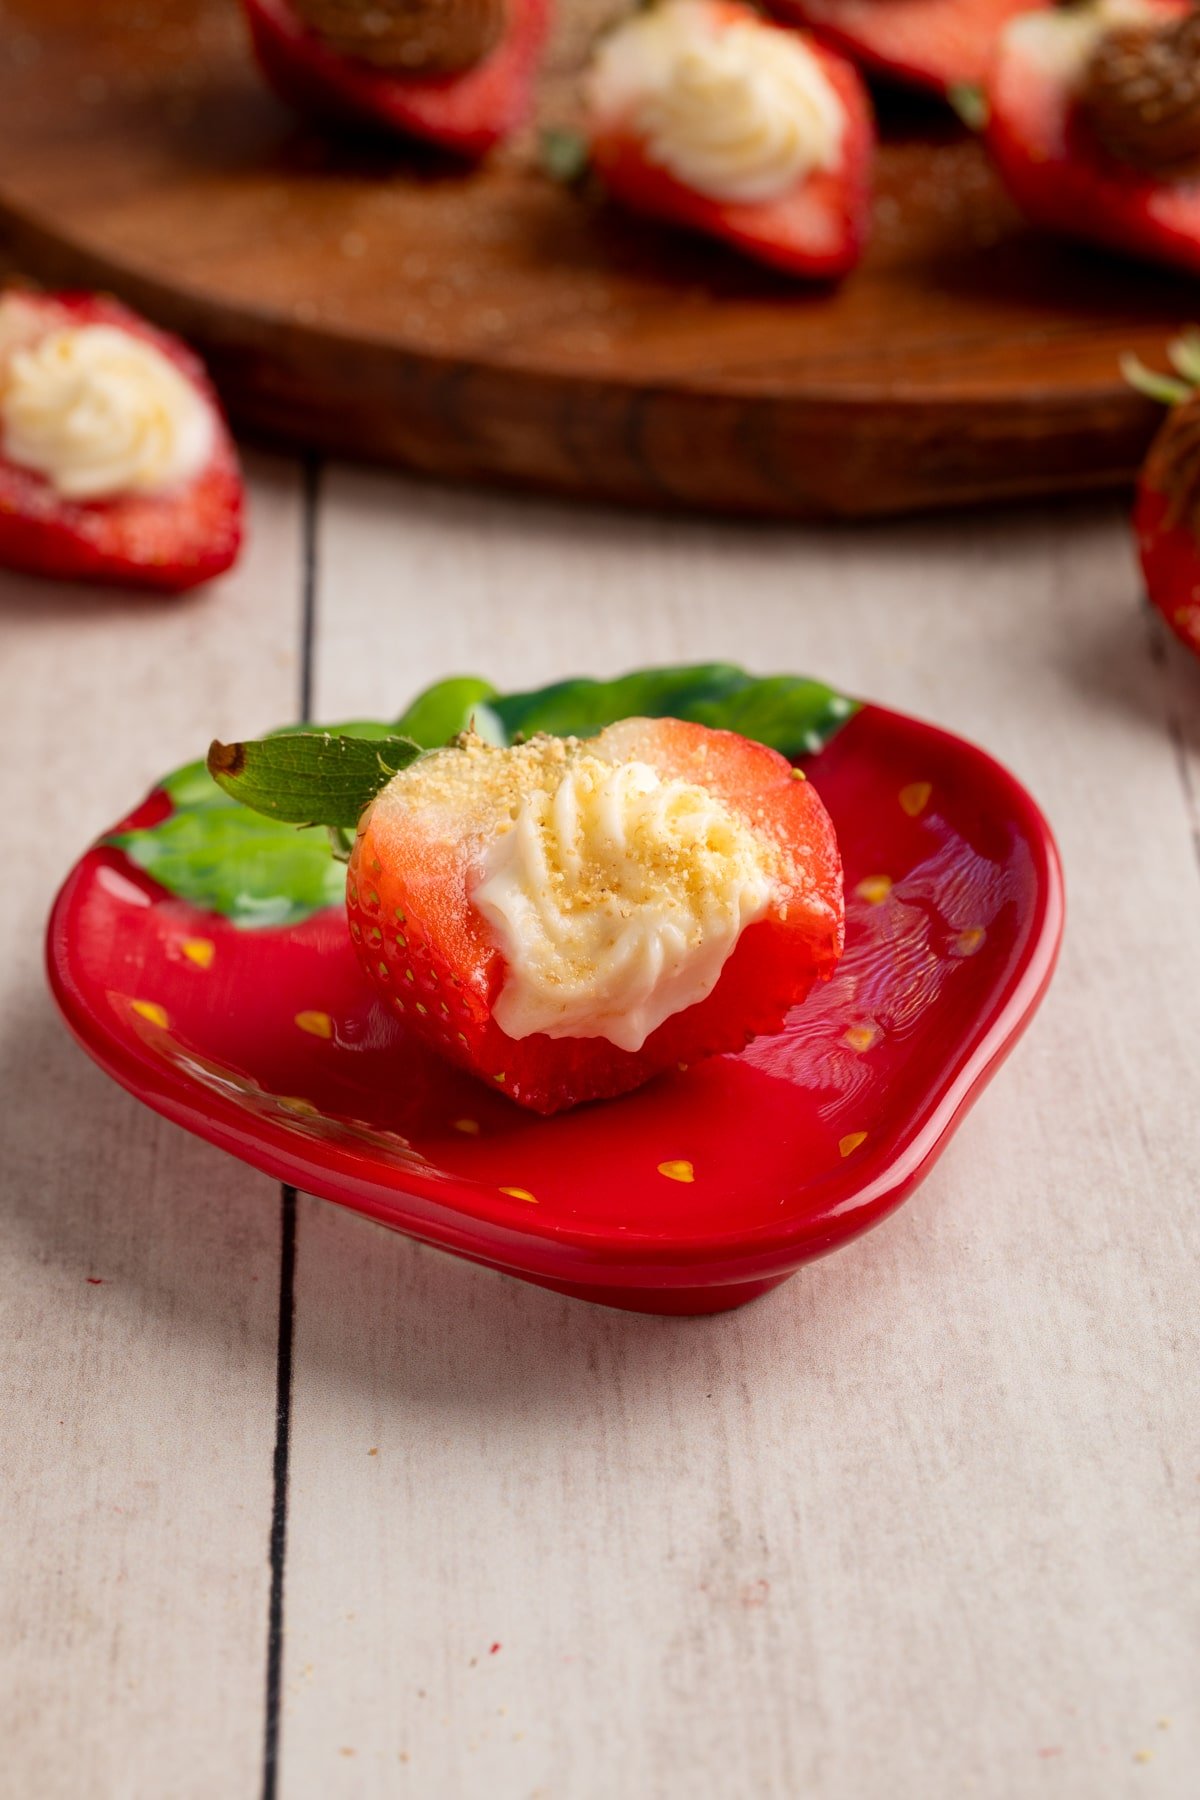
{"x":277,"y":1542}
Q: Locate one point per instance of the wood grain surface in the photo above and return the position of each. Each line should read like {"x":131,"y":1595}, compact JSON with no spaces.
{"x":919,"y":1526}
{"x":384,"y":303}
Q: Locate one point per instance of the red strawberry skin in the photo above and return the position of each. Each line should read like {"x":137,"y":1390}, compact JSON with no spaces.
{"x":818,"y":231}
{"x":1170,"y":558}
{"x":1063,"y":181}
{"x":937,"y":44}
{"x":468,"y":113}
{"x":168,"y":542}
{"x":421,"y":941}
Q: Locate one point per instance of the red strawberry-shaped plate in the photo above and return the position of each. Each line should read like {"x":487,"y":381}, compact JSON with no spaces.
{"x":200,"y":955}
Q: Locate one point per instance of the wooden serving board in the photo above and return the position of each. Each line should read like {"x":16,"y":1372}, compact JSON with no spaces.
{"x":380,"y":302}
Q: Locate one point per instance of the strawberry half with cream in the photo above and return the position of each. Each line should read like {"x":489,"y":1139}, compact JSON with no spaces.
{"x":567,"y":917}
{"x":458,"y":73}
{"x":1094,"y":124}
{"x":939,"y":44}
{"x":705,"y":114}
{"x":115,"y":461}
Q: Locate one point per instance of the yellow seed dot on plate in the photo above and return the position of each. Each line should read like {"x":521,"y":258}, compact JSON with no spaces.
{"x":861,"y":1037}
{"x":200,"y":951}
{"x":1143,"y":1756}
{"x":677,"y":1171}
{"x":520,"y":1194}
{"x":468,"y":1127}
{"x":849,"y":1144}
{"x":152,"y":1012}
{"x":915,"y":797}
{"x":874,"y":888}
{"x":317,"y":1024}
{"x":967,"y":942}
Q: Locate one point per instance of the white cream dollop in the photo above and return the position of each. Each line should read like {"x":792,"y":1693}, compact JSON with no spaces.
{"x":616,"y":897}
{"x":739,"y":112}
{"x":100,"y":413}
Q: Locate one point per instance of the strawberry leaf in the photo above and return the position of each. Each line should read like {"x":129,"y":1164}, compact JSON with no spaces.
{"x":310,"y":777}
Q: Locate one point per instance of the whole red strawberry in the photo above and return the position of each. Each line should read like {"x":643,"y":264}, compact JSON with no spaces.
{"x":1094,"y":124}
{"x":457,"y":73}
{"x":939,"y":44}
{"x":1166,"y":516}
{"x":116,"y":464}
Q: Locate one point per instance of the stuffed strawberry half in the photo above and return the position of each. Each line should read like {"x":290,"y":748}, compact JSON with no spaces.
{"x":458,"y":73}
{"x":115,"y":461}
{"x":1166,"y":515}
{"x":939,"y":44}
{"x":702,"y":113}
{"x":1094,"y":124}
{"x":568,"y":917}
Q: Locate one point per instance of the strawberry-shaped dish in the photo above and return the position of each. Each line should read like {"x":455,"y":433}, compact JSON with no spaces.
{"x":1093,"y":120}
{"x":702,"y":113}
{"x":115,"y":461}
{"x":939,"y":44}
{"x":201,"y":953}
{"x":1166,"y":515}
{"x":457,"y":73}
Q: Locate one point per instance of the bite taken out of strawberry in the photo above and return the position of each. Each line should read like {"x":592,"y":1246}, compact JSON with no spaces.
{"x":456,"y":73}
{"x":937,"y":44}
{"x":116,"y":464}
{"x":702,"y":113}
{"x":566,"y":918}
{"x":1093,"y":121}
{"x":1166,"y":514}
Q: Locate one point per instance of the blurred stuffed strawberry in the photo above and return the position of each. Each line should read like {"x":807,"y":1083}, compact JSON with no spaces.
{"x":702,"y":113}
{"x":115,"y":460}
{"x":458,"y":73}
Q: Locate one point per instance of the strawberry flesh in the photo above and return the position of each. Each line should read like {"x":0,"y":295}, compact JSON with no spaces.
{"x":937,"y":44}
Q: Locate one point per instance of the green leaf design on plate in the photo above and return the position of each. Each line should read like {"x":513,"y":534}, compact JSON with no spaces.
{"x":257,"y":871}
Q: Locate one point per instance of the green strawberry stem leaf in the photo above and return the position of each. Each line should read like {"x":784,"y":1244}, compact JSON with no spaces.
{"x":970,"y":103}
{"x":1156,"y":384}
{"x":257,"y":868}
{"x":310,"y":777}
{"x":563,"y":155}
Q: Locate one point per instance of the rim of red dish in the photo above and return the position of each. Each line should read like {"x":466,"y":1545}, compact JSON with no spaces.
{"x":852,"y":1203}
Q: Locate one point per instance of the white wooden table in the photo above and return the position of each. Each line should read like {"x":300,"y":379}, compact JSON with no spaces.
{"x":292,"y":1506}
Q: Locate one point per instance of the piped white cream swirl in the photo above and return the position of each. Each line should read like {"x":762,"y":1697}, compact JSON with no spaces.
{"x":616,"y":898}
{"x":738,"y":112}
{"x":101,"y":413}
